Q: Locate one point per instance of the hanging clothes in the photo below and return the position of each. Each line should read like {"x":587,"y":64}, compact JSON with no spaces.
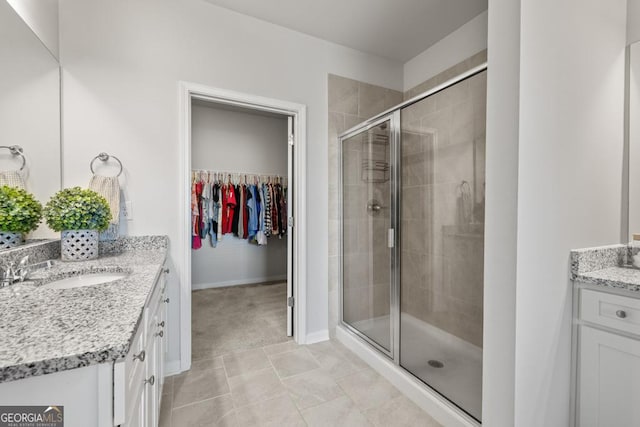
{"x":241,"y":207}
{"x":196,"y":242}
{"x":254,"y":212}
{"x":283,"y":211}
{"x":236,"y":211}
{"x":245,"y":213}
{"x":267,"y":210}
{"x":229,"y":206}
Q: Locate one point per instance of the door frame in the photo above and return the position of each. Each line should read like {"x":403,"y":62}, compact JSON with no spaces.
{"x":187,"y":92}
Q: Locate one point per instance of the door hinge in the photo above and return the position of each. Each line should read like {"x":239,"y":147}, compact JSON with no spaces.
{"x":391,"y":238}
{"x":290,"y":301}
{"x":290,"y":222}
{"x":291,"y":139}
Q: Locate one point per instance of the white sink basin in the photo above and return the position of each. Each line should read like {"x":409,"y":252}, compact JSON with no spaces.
{"x":84,"y":280}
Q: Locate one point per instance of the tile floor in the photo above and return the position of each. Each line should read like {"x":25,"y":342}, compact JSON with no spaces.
{"x":246,"y":372}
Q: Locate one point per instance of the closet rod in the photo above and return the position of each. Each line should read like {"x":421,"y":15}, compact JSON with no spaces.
{"x":227,"y":174}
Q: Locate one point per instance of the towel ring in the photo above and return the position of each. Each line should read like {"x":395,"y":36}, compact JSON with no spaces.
{"x":16,"y":150}
{"x":104,"y":157}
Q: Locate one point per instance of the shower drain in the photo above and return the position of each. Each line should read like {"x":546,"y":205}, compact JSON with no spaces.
{"x":435,"y":363}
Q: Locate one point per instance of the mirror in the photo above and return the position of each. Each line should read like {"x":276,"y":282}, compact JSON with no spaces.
{"x":30,"y":104}
{"x":633,"y":129}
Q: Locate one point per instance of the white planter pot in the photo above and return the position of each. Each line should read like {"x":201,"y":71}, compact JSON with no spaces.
{"x":79,"y":245}
{"x":10,"y":240}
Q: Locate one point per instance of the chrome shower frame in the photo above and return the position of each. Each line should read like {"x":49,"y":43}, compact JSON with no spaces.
{"x":393,"y":116}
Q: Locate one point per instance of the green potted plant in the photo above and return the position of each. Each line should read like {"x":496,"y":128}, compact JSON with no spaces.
{"x":20,"y":213}
{"x":79,"y":215}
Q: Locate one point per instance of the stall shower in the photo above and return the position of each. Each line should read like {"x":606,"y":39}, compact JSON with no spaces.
{"x":412,"y":194}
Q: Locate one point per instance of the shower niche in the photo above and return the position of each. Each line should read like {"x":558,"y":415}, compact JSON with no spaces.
{"x":412,"y":236}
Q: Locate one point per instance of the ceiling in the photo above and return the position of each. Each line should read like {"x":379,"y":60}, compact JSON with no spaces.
{"x":394,"y":29}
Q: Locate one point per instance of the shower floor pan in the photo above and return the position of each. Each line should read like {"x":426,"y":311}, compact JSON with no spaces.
{"x":424,"y":348}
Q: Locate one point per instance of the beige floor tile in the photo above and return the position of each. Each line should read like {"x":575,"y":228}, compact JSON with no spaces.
{"x":312,"y":388}
{"x":368,"y":389}
{"x":280,"y":348}
{"x":293,"y":362}
{"x":400,"y":412}
{"x":198,"y":384}
{"x":340,"y":412}
{"x":165,"y":412}
{"x":218,"y":411}
{"x":245,"y":361}
{"x":255,"y":386}
{"x":276,"y":412}
{"x":333,"y":361}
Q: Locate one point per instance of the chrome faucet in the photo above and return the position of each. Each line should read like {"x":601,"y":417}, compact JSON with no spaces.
{"x":11,"y":274}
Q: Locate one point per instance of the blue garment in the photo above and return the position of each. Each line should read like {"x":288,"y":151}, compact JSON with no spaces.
{"x":253,"y":204}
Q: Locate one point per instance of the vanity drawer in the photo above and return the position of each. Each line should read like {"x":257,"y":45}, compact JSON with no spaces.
{"x":611,"y":310}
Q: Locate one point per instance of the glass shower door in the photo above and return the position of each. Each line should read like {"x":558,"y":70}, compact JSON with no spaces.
{"x":441,"y":248}
{"x":367,"y":235}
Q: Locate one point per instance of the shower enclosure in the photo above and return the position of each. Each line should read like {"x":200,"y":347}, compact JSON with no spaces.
{"x":412,"y":194}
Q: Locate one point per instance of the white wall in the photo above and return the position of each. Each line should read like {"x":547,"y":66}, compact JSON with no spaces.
{"x":633,"y":21}
{"x":501,"y":209}
{"x":42,"y":18}
{"x":236,"y":141}
{"x":463,"y":43}
{"x":122,"y":62}
{"x":569,"y":181}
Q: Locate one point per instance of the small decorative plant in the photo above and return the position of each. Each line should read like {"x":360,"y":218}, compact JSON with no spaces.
{"x":20,"y":212}
{"x":77,"y":209}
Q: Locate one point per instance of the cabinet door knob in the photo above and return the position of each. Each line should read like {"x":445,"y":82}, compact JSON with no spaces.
{"x":161,"y":324}
{"x":151,"y":381}
{"x":140,"y":356}
{"x":166,"y":270}
{"x":621,"y":314}
{"x":160,"y":334}
{"x":166,"y":300}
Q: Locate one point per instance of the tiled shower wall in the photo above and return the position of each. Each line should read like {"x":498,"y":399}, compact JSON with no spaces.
{"x":350,"y":102}
{"x":442,"y":216}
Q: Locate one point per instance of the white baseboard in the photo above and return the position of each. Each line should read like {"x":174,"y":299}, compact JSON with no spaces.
{"x":171,"y":367}
{"x":318,"y":336}
{"x":237,"y":282}
{"x":443,"y":411}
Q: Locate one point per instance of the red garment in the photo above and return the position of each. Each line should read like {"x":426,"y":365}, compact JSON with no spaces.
{"x":245,"y":217}
{"x":229,"y":205}
{"x":196,"y":242}
{"x":223,"y":198}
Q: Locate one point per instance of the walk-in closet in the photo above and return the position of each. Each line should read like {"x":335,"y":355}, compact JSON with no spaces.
{"x":239,"y":212}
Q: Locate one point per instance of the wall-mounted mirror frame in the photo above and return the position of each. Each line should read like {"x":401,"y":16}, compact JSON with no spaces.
{"x":30,"y":98}
{"x":632,"y":132}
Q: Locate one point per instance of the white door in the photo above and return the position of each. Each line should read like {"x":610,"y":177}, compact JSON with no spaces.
{"x":609,"y":392}
{"x":290,"y":224}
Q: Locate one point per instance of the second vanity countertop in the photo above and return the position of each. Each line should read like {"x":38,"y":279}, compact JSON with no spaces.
{"x":601,"y":266}
{"x":49,"y":330}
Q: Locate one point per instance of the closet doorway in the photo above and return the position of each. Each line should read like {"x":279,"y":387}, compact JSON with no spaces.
{"x":242,"y":249}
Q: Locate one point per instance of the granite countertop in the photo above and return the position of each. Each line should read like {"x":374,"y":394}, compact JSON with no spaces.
{"x":50,"y":330}
{"x":603,"y":266}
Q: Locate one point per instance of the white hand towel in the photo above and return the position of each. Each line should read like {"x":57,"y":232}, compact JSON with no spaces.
{"x":109,"y":188}
{"x":11,"y":179}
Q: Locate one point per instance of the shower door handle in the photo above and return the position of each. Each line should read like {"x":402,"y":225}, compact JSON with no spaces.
{"x":391,"y":238}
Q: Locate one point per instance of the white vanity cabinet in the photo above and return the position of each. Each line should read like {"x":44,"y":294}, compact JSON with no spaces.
{"x":124,"y":393}
{"x":138,"y":380}
{"x":607,"y":357}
